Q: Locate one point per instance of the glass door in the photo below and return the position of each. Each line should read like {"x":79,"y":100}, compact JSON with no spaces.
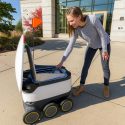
{"x":63,"y":21}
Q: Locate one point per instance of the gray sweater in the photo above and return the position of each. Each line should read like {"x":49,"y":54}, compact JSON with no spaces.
{"x":92,"y":32}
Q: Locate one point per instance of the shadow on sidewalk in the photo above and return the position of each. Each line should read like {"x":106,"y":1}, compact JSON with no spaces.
{"x":93,"y":95}
{"x":58,"y":45}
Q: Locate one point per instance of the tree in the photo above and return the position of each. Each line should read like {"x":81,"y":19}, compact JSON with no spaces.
{"x":27,"y":22}
{"x":6,"y":17}
{"x":18,"y":27}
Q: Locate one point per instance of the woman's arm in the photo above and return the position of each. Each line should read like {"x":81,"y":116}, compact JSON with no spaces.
{"x":103,"y":37}
{"x":70,"y":46}
{"x":68,"y":49}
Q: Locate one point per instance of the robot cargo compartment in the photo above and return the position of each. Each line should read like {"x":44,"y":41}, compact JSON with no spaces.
{"x":45,"y":75}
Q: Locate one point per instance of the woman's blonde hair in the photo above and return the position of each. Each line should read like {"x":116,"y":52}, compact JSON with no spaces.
{"x":75,"y":12}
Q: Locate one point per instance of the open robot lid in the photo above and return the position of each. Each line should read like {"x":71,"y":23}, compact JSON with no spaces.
{"x":19,"y":63}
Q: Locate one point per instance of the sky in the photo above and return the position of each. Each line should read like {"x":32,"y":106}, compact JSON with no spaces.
{"x":15,"y":4}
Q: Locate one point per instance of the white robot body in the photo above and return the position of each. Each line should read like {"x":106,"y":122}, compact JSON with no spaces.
{"x":41,"y":86}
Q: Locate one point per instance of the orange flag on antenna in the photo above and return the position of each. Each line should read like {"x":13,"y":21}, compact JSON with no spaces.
{"x":36,"y":22}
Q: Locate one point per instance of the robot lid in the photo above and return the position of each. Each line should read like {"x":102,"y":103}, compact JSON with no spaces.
{"x":19,"y":63}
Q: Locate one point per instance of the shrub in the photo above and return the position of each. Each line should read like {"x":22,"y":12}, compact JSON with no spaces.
{"x":10,"y":43}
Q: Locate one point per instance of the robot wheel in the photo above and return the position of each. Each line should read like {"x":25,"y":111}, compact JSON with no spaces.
{"x":66,"y":105}
{"x":50,"y":110}
{"x":31,"y":117}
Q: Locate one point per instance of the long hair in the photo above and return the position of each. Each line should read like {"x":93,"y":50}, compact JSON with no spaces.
{"x":75,"y":12}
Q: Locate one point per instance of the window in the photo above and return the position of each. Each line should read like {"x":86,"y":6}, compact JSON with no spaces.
{"x":61,"y":1}
{"x":72,"y":3}
{"x":100,"y":7}
{"x":98,"y":2}
{"x":85,"y":2}
{"x":111,"y":1}
{"x":86,"y":9}
{"x":110,"y":8}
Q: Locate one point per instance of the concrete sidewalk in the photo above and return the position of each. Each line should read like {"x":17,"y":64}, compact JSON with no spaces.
{"x":90,"y":108}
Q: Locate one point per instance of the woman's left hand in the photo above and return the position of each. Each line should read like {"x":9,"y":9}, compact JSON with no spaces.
{"x":105,"y":56}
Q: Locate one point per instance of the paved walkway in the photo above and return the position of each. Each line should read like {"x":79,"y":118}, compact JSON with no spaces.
{"x":90,"y":108}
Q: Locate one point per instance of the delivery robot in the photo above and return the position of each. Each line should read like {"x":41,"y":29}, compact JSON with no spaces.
{"x":44,"y":88}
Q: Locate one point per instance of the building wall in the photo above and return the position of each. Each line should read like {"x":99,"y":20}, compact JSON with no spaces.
{"x":118,"y":21}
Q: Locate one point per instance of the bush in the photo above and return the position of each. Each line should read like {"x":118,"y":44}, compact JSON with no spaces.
{"x":10,"y":44}
{"x":31,"y":41}
{"x":18,"y":27}
{"x":5,"y":44}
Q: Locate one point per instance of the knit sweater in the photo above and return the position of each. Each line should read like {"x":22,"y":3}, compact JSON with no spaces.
{"x":93,"y":33}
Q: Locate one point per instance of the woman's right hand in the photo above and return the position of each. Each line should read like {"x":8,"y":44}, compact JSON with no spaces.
{"x":59,"y":65}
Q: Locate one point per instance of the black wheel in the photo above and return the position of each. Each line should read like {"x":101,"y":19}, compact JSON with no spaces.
{"x":50,"y":110}
{"x":31,"y":117}
{"x":66,"y":105}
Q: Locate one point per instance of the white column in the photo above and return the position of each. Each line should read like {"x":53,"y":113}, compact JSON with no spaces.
{"x":48,"y":16}
{"x":118,"y":21}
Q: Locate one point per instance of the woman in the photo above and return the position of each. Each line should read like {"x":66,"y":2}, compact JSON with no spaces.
{"x":89,"y":28}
